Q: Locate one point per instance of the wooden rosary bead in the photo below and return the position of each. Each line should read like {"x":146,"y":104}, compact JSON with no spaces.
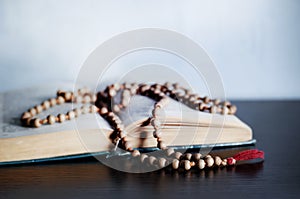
{"x":201,"y":164}
{"x":143,"y":157}
{"x":209,"y":161}
{"x":178,"y":155}
{"x":103,"y":111}
{"x":25,"y":115}
{"x":116,"y":108}
{"x":71,"y":115}
{"x":68,"y":96}
{"x":152,"y":160}
{"x":32,"y":112}
{"x":86,"y":99}
{"x":35,"y":122}
{"x":206,"y":100}
{"x":224,"y":162}
{"x":186,"y":164}
{"x":162,"y":162}
{"x":61,"y":117}
{"x":218,"y":161}
{"x":38,"y":109}
{"x":175,"y":164}
{"x":225,"y":110}
{"x":232,"y":109}
{"x":161,"y":145}
{"x":170,"y":151}
{"x":188,"y":156}
{"x":77,"y":112}
{"x":52,"y":101}
{"x":60,"y":100}
{"x":135,"y":153}
{"x":93,"y":109}
{"x":51,"y":119}
{"x":196,"y":156}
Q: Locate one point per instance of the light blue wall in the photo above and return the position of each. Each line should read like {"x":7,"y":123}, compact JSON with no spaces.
{"x":254,"y":43}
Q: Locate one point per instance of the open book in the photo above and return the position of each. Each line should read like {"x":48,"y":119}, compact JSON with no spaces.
{"x":182,"y":127}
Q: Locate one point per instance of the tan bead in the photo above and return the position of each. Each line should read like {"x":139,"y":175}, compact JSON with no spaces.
{"x":178,"y":155}
{"x":170,"y":151}
{"x":86,"y":99}
{"x":103,"y":111}
{"x":216,"y":102}
{"x":26,"y":115}
{"x":36,"y":122}
{"x":32,"y":112}
{"x":201,"y":164}
{"x":38,"y":108}
{"x":188,"y":156}
{"x":187,"y":164}
{"x":116,"y":86}
{"x":52,"y":101}
{"x":116,"y":108}
{"x":155,"y":123}
{"x":196,"y":156}
{"x":209,"y":161}
{"x":162,"y":162}
{"x":77,"y":112}
{"x":85,"y":109}
{"x":60,"y":100}
{"x":44,"y":121}
{"x":136,"y":153}
{"x":68,"y":96}
{"x":206,"y":100}
{"x":51,"y":119}
{"x":71,"y":115}
{"x":225,"y":110}
{"x":143,"y":157}
{"x":93,"y":109}
{"x":213,"y":109}
{"x":232,"y":109}
{"x":93,"y":98}
{"x":61,"y":117}
{"x":152,"y":160}
{"x":218,"y":160}
{"x":175,"y":164}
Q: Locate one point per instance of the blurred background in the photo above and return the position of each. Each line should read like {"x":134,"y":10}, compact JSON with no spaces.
{"x":255,"y":44}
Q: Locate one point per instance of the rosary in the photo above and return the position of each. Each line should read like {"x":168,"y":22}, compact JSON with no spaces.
{"x":104,"y":103}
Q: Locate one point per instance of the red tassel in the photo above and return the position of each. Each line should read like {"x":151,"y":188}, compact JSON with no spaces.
{"x":246,"y":155}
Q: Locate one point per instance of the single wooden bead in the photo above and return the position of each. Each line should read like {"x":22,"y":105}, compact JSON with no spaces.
{"x":39,"y":108}
{"x":232,"y":109}
{"x":178,"y":155}
{"x":152,"y":160}
{"x":175,"y":164}
{"x":36,"y":122}
{"x":170,"y":151}
{"x":86,"y":99}
{"x":217,"y":102}
{"x":71,"y":115}
{"x":206,"y":99}
{"x":187,"y":164}
{"x":116,"y":86}
{"x":60,"y":100}
{"x":225,"y":110}
{"x":51,"y":119}
{"x":136,"y":153}
{"x":77,"y":112}
{"x":188,"y":156}
{"x":85,"y":109}
{"x":196,"y":156}
{"x":162,"y":162}
{"x":93,"y":109}
{"x":33,"y":112}
{"x":218,"y":161}
{"x":52,"y":101}
{"x":93,"y":98}
{"x":103,"y":111}
{"x":116,"y":108}
{"x":112,"y":92}
{"x":61,"y":117}
{"x":26,"y":115}
{"x":68,"y":96}
{"x":201,"y":164}
{"x":213,"y":109}
{"x":209,"y":161}
{"x":143,"y":157}
{"x":155,"y":123}
{"x":157,"y":133}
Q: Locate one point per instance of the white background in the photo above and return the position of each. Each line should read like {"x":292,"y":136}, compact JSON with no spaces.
{"x":254,"y":43}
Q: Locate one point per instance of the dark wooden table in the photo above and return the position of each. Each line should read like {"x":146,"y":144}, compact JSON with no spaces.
{"x":276,"y":127}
